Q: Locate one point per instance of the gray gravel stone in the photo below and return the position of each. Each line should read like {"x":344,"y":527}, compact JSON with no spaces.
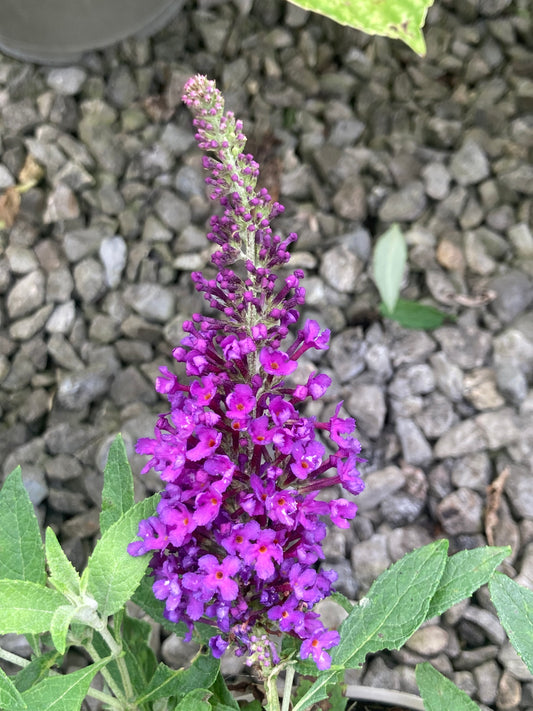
{"x":175,"y":213}
{"x":340,"y":268}
{"x":470,"y":165}
{"x":487,"y":676}
{"x":63,"y":353}
{"x":89,"y":280}
{"x":436,"y":180}
{"x":113,"y":253}
{"x":20,"y":259}
{"x":77,"y":390}
{"x":466,"y":437}
{"x":27,"y":327}
{"x":350,"y":201}
{"x":62,"y":468}
{"x":347,"y":354}
{"x":35,"y":483}
{"x":467,"y":348}
{"x":26,"y":295}
{"x":369,"y":559}
{"x":406,"y":205}
{"x":436,"y":417}
{"x":428,"y":641}
{"x":461,"y":512}
{"x":415,"y":448}
{"x":152,"y":301}
{"x":367,"y":404}
{"x":61,"y":204}
{"x":512,"y":663}
{"x":66,"y":80}
{"x":380,"y":485}
{"x":472,"y":472}
{"x":59,"y":285}
{"x":500,"y":428}
{"x":62,"y":318}
{"x":514,"y":293}
{"x":519,"y":490}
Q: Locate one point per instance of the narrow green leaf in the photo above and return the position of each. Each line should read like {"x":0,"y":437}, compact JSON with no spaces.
{"x":514,"y":605}
{"x":196,"y":699}
{"x":399,"y":19}
{"x":439,"y":693}
{"x":144,"y":597}
{"x":464,"y":573}
{"x":27,"y":607}
{"x":117,"y":495}
{"x":222,"y":697}
{"x":411,"y":314}
{"x":63,"y":575}
{"x":390,"y":257}
{"x":59,"y":626}
{"x":395,"y":606}
{"x":168,"y":682}
{"x":112,"y":575}
{"x":37,"y":670}
{"x":21,"y":548}
{"x":62,"y":693}
{"x":10,"y":698}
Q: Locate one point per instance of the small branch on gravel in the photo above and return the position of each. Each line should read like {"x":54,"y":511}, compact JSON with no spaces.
{"x":494,"y":495}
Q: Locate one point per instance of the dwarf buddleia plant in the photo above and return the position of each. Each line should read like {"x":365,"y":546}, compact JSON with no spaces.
{"x":229,"y":552}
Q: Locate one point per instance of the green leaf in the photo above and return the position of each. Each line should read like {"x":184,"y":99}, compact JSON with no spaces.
{"x":464,"y":573}
{"x":112,"y":575}
{"x":439,"y":693}
{"x":10,"y":698}
{"x":168,"y":682}
{"x":252,"y":706}
{"x":196,"y":700}
{"x":394,"y":608}
{"x":37,"y":669}
{"x":144,"y":597}
{"x":59,"y":626}
{"x":341,"y":600}
{"x":27,"y":607}
{"x":21,"y":548}
{"x":62,"y":693}
{"x":222,"y":697}
{"x":411,"y":314}
{"x":514,"y":605}
{"x":63,"y":575}
{"x":399,"y":19}
{"x":390,"y":257}
{"x":117,"y":495}
{"x":140,"y":658}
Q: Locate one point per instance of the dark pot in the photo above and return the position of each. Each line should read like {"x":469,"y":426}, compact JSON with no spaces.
{"x":374,"y":699}
{"x":59,"y":31}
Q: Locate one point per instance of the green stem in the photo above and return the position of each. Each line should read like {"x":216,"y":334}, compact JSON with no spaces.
{"x":107,"y":676}
{"x":106,"y":698}
{"x":287,"y":687}
{"x":271,"y":691}
{"x":116,"y":651}
{"x":13,"y":658}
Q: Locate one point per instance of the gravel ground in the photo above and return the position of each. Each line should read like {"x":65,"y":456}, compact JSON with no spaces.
{"x":353,"y":134}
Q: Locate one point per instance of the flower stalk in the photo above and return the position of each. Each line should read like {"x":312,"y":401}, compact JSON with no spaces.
{"x":236,"y":539}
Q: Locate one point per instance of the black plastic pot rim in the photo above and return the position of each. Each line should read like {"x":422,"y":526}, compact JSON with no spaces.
{"x":385,"y":696}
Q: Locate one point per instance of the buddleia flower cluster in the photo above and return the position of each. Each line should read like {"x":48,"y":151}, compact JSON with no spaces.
{"x":237,"y":537}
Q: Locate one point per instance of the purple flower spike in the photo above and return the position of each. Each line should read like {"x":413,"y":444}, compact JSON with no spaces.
{"x":240,"y":523}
